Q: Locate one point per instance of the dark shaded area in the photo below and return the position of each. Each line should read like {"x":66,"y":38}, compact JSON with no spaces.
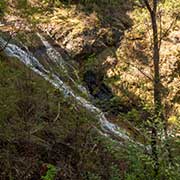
{"x":104,"y":97}
{"x":96,"y":86}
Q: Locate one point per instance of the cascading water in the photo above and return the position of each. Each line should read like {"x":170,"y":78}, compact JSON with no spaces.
{"x":30,"y":61}
{"x":56,"y":57}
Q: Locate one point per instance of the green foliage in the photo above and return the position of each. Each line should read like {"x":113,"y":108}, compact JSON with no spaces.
{"x":115,"y":173}
{"x":33,"y":116}
{"x":22,"y":3}
{"x":92,"y":176}
{"x":51,"y":172}
{"x":91,"y":62}
{"x":34,"y":112}
{"x":2,"y":7}
{"x":141,"y":165}
{"x":133,"y":115}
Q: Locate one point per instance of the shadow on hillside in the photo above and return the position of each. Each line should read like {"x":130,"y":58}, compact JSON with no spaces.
{"x":108,"y":30}
{"x":110,"y":14}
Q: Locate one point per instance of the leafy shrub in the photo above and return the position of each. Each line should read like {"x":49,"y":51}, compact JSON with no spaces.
{"x":115,"y":173}
{"x":51,"y":172}
{"x":141,"y":165}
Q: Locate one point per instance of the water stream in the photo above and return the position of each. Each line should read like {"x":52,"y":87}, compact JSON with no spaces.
{"x":32,"y":62}
{"x":56,"y":57}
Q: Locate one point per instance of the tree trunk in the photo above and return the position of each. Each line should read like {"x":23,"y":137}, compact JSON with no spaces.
{"x":157,"y":89}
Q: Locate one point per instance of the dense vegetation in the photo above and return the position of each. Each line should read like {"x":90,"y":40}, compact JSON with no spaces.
{"x":44,"y":135}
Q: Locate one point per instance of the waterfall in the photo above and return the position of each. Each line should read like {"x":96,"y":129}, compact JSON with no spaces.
{"x":30,"y":61}
{"x":56,"y":57}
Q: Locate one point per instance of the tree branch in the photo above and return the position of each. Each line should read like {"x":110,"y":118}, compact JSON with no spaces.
{"x":146,"y":2}
{"x":140,"y":70}
{"x":163,"y":35}
{"x":154,"y":6}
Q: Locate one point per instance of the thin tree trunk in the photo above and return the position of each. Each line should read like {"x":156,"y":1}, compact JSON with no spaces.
{"x":158,"y":110}
{"x":157,"y":86}
{"x":157,"y":90}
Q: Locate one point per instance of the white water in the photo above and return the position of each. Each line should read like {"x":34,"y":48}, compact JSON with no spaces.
{"x":30,"y":61}
{"x":56,"y":57}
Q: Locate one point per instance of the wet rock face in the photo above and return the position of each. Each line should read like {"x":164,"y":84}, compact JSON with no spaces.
{"x":96,"y":87}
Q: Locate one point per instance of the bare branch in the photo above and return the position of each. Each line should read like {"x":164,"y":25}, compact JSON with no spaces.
{"x":140,"y":70}
{"x":58,"y":115}
{"x":163,"y":35}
